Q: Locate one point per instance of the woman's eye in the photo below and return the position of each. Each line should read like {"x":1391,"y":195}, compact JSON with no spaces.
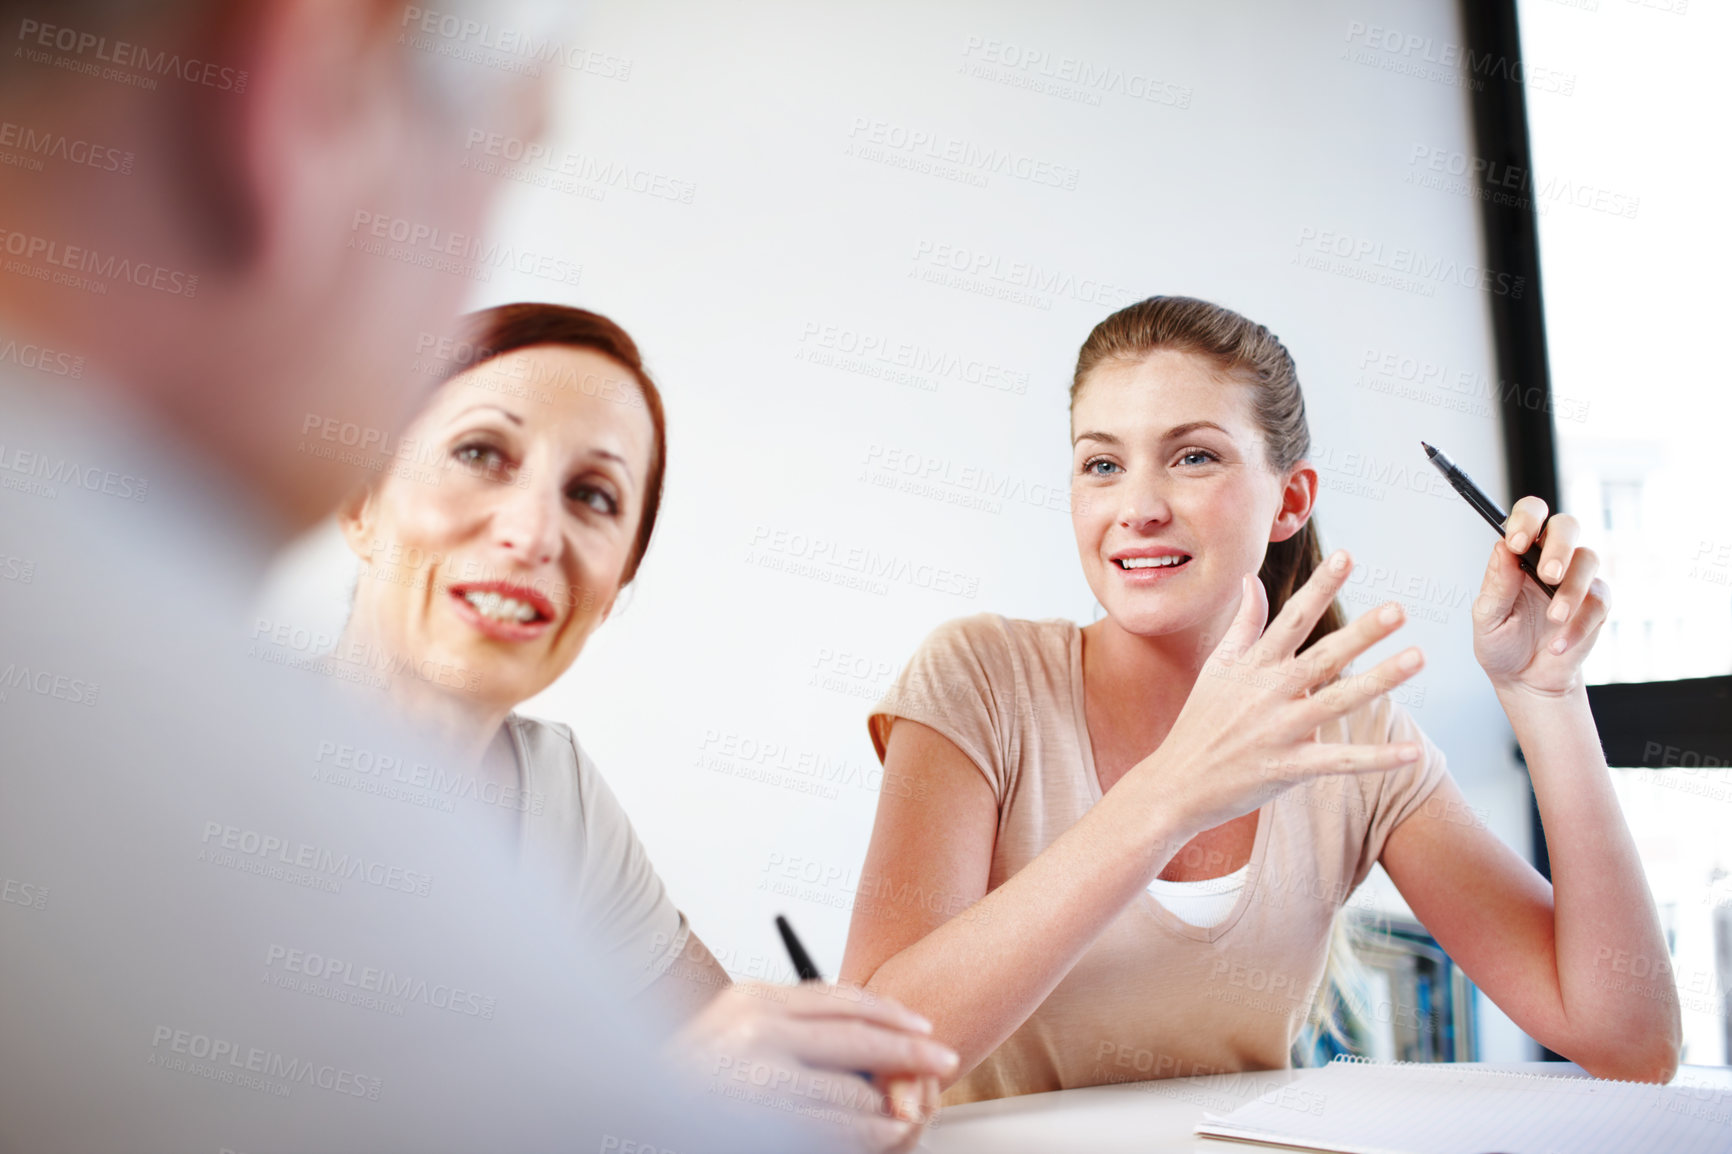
{"x":480,"y":458}
{"x":1099,"y":466}
{"x":1196,"y":457}
{"x":598,"y":499}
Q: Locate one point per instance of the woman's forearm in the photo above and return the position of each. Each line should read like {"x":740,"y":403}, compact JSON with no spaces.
{"x":1615,"y":979}
{"x":1019,"y":941}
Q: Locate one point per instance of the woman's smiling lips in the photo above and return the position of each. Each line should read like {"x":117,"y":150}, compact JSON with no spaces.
{"x":503,"y":610}
{"x":1149,"y":564}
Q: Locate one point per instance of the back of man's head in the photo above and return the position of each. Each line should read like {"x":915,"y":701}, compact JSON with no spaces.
{"x":192,"y":200}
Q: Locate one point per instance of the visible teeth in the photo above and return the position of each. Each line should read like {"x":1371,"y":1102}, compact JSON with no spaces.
{"x":1151,"y":562}
{"x":499,"y":607}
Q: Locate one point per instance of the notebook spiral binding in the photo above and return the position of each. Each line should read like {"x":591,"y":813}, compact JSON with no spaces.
{"x":1459,"y":1068}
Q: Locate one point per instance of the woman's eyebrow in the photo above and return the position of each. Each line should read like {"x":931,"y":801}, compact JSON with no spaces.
{"x":1175,"y":431}
{"x":610,"y":455}
{"x":511,"y":416}
{"x":1191,"y":427}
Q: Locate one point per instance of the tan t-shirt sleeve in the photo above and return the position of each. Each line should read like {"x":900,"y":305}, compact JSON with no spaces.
{"x":631,"y":913}
{"x":952,"y":685}
{"x":1392,"y":797}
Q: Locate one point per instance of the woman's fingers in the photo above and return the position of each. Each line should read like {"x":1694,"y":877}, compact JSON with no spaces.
{"x":856,"y":1044}
{"x":931,"y":1094}
{"x":1321,"y":759}
{"x":904,"y":1098}
{"x":909,"y":1105}
{"x":1524,"y":523}
{"x":1331,"y":654}
{"x":1499,"y":590}
{"x":1583,"y":616}
{"x":1560,"y":538}
{"x":1573,"y":586}
{"x":876,"y":1134}
{"x":869,"y":1125}
{"x":1248,"y":621}
{"x":794,"y":1044}
{"x":1294,"y":675}
{"x":910,"y":1100}
{"x":1304,"y":608}
{"x":1349,"y":693}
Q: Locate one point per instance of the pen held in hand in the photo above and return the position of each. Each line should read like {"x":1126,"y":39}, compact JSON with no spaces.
{"x":1487,"y":508}
{"x":804,"y":968}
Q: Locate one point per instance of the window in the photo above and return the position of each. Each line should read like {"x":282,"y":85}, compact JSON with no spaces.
{"x":1634,"y":244}
{"x":1627,"y":184}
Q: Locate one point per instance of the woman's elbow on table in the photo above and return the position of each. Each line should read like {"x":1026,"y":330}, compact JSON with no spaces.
{"x":1650,"y":1058}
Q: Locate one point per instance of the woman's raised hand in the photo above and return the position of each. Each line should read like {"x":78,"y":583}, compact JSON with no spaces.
{"x":1248,"y":730}
{"x":1521,"y":638}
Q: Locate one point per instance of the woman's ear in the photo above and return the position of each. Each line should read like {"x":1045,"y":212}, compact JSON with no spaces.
{"x":1298,"y":498}
{"x":356,"y":516}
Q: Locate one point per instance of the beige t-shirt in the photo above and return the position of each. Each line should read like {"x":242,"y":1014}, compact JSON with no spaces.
{"x":575,"y":834}
{"x":1154,"y":996}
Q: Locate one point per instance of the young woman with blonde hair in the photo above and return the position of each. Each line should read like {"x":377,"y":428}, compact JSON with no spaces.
{"x":1150,"y":822}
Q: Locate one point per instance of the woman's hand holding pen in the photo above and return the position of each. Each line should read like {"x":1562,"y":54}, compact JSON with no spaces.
{"x":810,"y":1044}
{"x":1521,"y":638}
{"x":1248,"y":730}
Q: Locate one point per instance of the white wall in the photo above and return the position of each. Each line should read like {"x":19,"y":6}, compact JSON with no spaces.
{"x":1211,"y":149}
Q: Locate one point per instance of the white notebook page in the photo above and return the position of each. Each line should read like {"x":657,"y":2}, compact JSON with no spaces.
{"x":1356,"y":1107}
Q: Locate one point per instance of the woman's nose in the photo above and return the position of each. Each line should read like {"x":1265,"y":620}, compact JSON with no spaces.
{"x":527,"y":520}
{"x":1143,"y":504}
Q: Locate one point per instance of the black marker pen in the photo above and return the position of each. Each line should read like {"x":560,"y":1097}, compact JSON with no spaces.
{"x":1487,"y":508}
{"x":797,"y":953}
{"x":804,"y":968}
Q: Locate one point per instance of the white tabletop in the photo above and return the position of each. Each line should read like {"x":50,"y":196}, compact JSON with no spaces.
{"x":1150,"y":1117}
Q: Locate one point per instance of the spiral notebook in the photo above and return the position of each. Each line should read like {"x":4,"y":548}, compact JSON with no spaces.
{"x":1353,"y":1106}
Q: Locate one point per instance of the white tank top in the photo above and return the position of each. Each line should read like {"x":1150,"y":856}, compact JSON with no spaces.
{"x":1202,"y":903}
